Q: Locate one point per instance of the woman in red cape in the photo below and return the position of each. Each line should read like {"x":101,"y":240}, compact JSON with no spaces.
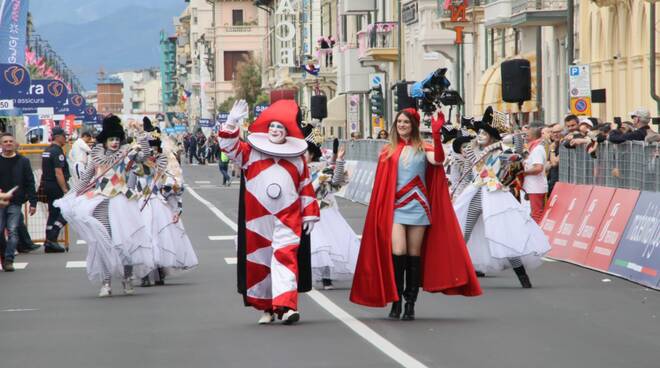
{"x":438,"y":263}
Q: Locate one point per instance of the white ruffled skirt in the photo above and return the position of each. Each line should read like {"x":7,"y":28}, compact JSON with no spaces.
{"x":504,"y":230}
{"x":334,"y":247}
{"x":130,"y":243}
{"x":172,"y":247}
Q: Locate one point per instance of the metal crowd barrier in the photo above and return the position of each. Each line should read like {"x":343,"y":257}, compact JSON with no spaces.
{"x":629,"y":165}
{"x":37,"y":224}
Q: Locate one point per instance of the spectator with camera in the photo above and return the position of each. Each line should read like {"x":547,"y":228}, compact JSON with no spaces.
{"x":641,"y":119}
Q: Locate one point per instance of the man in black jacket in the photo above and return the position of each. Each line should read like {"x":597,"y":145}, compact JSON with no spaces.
{"x":641,"y":119}
{"x":54,"y":178}
{"x":15,"y":175}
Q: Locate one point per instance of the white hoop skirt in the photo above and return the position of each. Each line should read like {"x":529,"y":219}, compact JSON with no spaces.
{"x":334,"y":246}
{"x":172,"y":247}
{"x":130,"y":243}
{"x":504,"y":230}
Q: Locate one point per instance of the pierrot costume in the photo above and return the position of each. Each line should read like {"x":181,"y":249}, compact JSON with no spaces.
{"x":276,"y":198}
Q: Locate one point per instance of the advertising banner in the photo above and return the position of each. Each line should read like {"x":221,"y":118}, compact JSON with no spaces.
{"x":43,"y":93}
{"x":611,"y":229}
{"x":564,"y":216}
{"x":589,"y":221}
{"x":14,"y":81}
{"x":89,"y":114}
{"x":13,"y":29}
{"x":222,"y":117}
{"x":206,"y":123}
{"x":638,"y":255}
{"x":258,"y":109}
{"x":74,"y":105}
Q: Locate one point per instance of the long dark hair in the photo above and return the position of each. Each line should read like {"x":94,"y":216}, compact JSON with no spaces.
{"x":415,"y":136}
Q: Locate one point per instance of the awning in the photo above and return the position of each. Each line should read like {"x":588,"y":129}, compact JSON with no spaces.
{"x":489,"y":89}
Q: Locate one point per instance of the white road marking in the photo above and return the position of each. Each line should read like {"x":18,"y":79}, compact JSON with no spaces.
{"x":76,"y":264}
{"x":20,"y":265}
{"x":81,"y":242}
{"x":353,"y":323}
{"x":202,"y":182}
{"x":231,"y":260}
{"x":214,"y":209}
{"x":365,"y":332}
{"x":20,"y":310}
{"x":222,"y":237}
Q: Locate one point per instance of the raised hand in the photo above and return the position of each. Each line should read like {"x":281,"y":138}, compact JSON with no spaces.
{"x":237,"y":114}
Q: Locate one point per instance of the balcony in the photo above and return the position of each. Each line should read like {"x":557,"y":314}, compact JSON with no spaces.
{"x":326,"y":60}
{"x":379,"y":42}
{"x":357,"y":6}
{"x":497,"y":14}
{"x":534,"y":13}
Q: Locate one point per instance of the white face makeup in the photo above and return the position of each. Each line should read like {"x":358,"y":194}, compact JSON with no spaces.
{"x":276,"y":132}
{"x":113,"y":143}
{"x":483,"y":138}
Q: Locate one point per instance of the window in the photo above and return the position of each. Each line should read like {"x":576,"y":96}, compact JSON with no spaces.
{"x":232,"y":59}
{"x":194,"y":15}
{"x":237,"y":17}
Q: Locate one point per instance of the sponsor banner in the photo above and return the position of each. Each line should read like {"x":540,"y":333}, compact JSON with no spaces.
{"x":611,"y":229}
{"x":43,"y":93}
{"x":258,"y":109}
{"x":14,"y":81}
{"x":180,"y":128}
{"x":169,"y":130}
{"x":589,"y":221}
{"x":206,"y":123}
{"x":74,"y":105}
{"x":561,"y":220}
{"x":13,"y":29}
{"x":222,"y":117}
{"x":638,"y":254}
{"x":89,"y":114}
{"x":31,"y":121}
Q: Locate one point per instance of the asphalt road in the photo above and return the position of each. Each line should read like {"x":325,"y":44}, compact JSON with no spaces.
{"x":573,"y":317}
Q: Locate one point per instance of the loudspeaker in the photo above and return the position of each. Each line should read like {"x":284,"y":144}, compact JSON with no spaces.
{"x":319,"y":107}
{"x":598,"y":95}
{"x":403,"y":99}
{"x":516,"y":80}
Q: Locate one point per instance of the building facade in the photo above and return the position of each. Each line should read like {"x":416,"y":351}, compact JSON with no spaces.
{"x":109,"y":96}
{"x":141,"y":92}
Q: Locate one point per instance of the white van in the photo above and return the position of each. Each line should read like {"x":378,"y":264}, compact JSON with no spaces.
{"x":40,"y":134}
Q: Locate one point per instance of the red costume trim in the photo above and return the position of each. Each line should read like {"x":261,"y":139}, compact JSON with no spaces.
{"x":415,"y":196}
{"x":446,"y":264}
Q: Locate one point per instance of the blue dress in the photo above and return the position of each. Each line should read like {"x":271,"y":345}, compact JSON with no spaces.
{"x":411,"y":206}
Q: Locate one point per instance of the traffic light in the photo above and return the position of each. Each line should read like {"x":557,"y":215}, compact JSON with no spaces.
{"x":377,"y":100}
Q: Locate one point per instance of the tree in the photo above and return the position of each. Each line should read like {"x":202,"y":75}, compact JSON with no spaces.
{"x":247,"y":82}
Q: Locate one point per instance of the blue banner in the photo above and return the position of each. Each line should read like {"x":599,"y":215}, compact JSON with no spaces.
{"x":43,"y":93}
{"x":13,"y":29}
{"x":638,"y":255}
{"x":222,"y":117}
{"x":206,"y":123}
{"x":259,"y":109}
{"x":89,"y":114}
{"x":14,"y":81}
{"x":74,"y":105}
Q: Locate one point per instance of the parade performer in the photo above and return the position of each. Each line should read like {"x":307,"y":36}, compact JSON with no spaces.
{"x":161,"y":185}
{"x":411,"y":227}
{"x":104,"y":211}
{"x":335,"y":246}
{"x":499,"y":231}
{"x":276,"y":204}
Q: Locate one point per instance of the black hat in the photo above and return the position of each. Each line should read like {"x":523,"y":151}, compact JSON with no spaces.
{"x":313,"y":147}
{"x":156,"y":142}
{"x":146,"y":124}
{"x":486,"y":124}
{"x":459,"y":141}
{"x":57,"y":131}
{"x":111,"y":128}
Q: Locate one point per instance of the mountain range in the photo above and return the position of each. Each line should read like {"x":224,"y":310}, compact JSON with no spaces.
{"x":116,"y":35}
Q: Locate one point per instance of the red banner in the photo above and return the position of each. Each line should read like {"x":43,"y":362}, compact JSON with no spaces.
{"x":561,"y":219}
{"x":611,"y":229}
{"x":589,"y":222}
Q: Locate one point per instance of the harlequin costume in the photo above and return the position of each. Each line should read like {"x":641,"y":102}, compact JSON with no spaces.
{"x":419,"y":195}
{"x":160,"y":185}
{"x":104,"y":212}
{"x":499,"y":231}
{"x":276,"y":198}
{"x":334,"y":244}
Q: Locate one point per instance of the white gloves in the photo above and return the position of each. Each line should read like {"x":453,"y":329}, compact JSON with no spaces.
{"x":308,"y":226}
{"x":237,"y":114}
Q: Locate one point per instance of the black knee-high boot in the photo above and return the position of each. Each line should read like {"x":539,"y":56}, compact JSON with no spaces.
{"x":399,"y":263}
{"x":413,"y":278}
{"x":522,"y":277}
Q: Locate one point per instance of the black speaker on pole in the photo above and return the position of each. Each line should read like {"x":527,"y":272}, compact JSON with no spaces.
{"x":516,"y":80}
{"x":403,"y":99}
{"x":319,"y":107}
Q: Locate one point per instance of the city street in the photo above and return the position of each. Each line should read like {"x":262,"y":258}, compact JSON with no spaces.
{"x":51,"y":317}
